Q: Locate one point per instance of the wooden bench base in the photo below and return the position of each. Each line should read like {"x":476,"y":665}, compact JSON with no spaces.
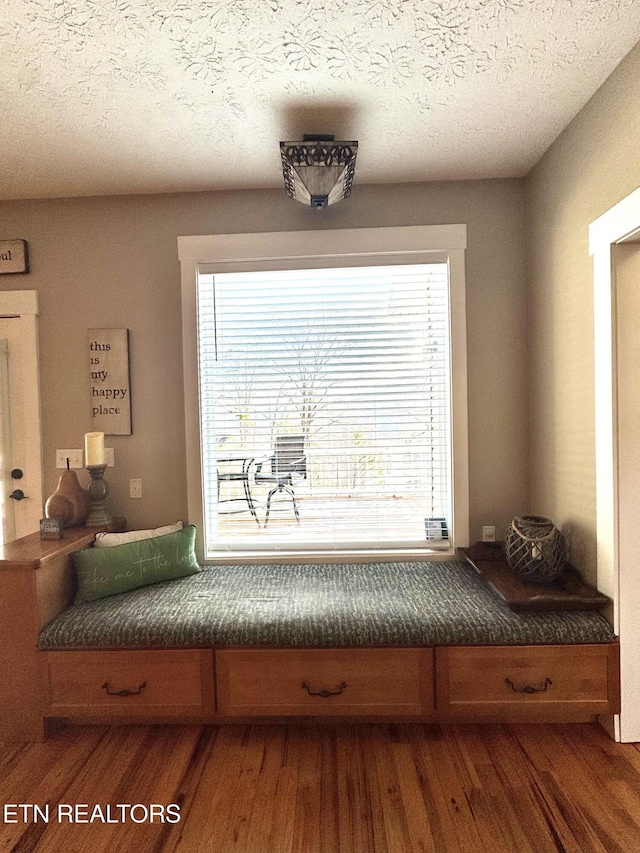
{"x":457,"y":683}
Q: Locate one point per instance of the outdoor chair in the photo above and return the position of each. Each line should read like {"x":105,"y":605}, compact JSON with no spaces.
{"x":287,"y":461}
{"x":235,"y":467}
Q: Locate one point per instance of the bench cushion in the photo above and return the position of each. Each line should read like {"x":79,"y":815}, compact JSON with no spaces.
{"x":373,"y":604}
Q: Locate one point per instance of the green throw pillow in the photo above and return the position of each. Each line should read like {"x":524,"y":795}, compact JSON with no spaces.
{"x":108,"y":571}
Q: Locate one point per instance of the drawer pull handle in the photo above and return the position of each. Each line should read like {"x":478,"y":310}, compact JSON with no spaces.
{"x":529,"y":688}
{"x":324,"y":693}
{"x":124,"y":691}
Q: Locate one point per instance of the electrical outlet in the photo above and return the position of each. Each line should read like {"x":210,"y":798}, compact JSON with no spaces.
{"x":74,"y":457}
{"x":109,"y":457}
{"x":489,"y":533}
{"x":135,"y":488}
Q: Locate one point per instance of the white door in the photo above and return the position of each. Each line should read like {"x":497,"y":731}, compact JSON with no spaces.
{"x":20,"y":430}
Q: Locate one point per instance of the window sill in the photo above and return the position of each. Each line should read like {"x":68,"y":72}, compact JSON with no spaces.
{"x":314,"y":557}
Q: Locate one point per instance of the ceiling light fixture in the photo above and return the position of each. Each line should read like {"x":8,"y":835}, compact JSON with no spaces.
{"x":318,"y":171}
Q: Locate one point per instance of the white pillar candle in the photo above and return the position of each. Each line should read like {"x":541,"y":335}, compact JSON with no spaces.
{"x":94,"y":449}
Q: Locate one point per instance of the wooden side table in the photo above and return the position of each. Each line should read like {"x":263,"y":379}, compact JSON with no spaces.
{"x":37,"y":581}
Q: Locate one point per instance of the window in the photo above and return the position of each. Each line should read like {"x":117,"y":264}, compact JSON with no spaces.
{"x":357,"y":354}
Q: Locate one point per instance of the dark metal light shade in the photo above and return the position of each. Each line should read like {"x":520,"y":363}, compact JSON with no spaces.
{"x":318,"y":171}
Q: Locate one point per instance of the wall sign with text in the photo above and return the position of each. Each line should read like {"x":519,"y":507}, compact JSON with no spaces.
{"x":14,"y":256}
{"x":110,"y":384}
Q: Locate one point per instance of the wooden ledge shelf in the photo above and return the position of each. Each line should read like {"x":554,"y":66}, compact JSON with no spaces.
{"x":567,"y":592}
{"x":31,"y":551}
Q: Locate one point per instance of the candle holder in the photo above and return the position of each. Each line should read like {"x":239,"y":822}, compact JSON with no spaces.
{"x":98,"y":489}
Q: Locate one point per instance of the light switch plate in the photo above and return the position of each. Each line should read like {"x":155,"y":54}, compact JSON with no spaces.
{"x":74,"y":457}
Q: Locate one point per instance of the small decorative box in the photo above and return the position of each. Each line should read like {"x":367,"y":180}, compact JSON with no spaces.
{"x":51,"y":528}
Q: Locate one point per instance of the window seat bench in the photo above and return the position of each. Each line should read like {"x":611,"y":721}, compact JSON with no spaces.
{"x":376,"y":604}
{"x":422,"y":641}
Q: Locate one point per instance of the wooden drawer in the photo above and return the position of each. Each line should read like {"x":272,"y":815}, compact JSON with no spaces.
{"x":527,"y":682}
{"x":324,"y":681}
{"x":131,"y":683}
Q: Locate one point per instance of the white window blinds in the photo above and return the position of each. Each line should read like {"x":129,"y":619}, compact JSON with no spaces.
{"x":357,"y":362}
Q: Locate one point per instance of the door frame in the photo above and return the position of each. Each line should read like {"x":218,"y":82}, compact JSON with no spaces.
{"x":616,"y":577}
{"x":21,"y":306}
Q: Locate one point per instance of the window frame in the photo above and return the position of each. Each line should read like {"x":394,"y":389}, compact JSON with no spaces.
{"x":345,"y":247}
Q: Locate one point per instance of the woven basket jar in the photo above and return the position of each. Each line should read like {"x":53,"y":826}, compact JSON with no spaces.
{"x":535,"y":549}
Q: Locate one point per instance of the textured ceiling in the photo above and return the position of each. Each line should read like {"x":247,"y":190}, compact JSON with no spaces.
{"x":122,"y":96}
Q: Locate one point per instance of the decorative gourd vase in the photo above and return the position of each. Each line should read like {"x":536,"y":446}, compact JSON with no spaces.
{"x":535,"y":549}
{"x":70,"y":502}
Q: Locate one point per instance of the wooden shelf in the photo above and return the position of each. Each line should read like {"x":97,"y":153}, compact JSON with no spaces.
{"x":567,"y":592}
{"x":30,"y":551}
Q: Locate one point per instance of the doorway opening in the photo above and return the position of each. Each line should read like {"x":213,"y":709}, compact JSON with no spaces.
{"x":614,"y":245}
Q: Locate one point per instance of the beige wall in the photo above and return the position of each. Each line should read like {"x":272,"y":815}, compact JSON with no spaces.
{"x":112,"y":262}
{"x":591,"y":166}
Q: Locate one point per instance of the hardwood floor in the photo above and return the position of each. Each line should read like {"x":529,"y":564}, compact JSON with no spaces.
{"x":326,"y":789}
